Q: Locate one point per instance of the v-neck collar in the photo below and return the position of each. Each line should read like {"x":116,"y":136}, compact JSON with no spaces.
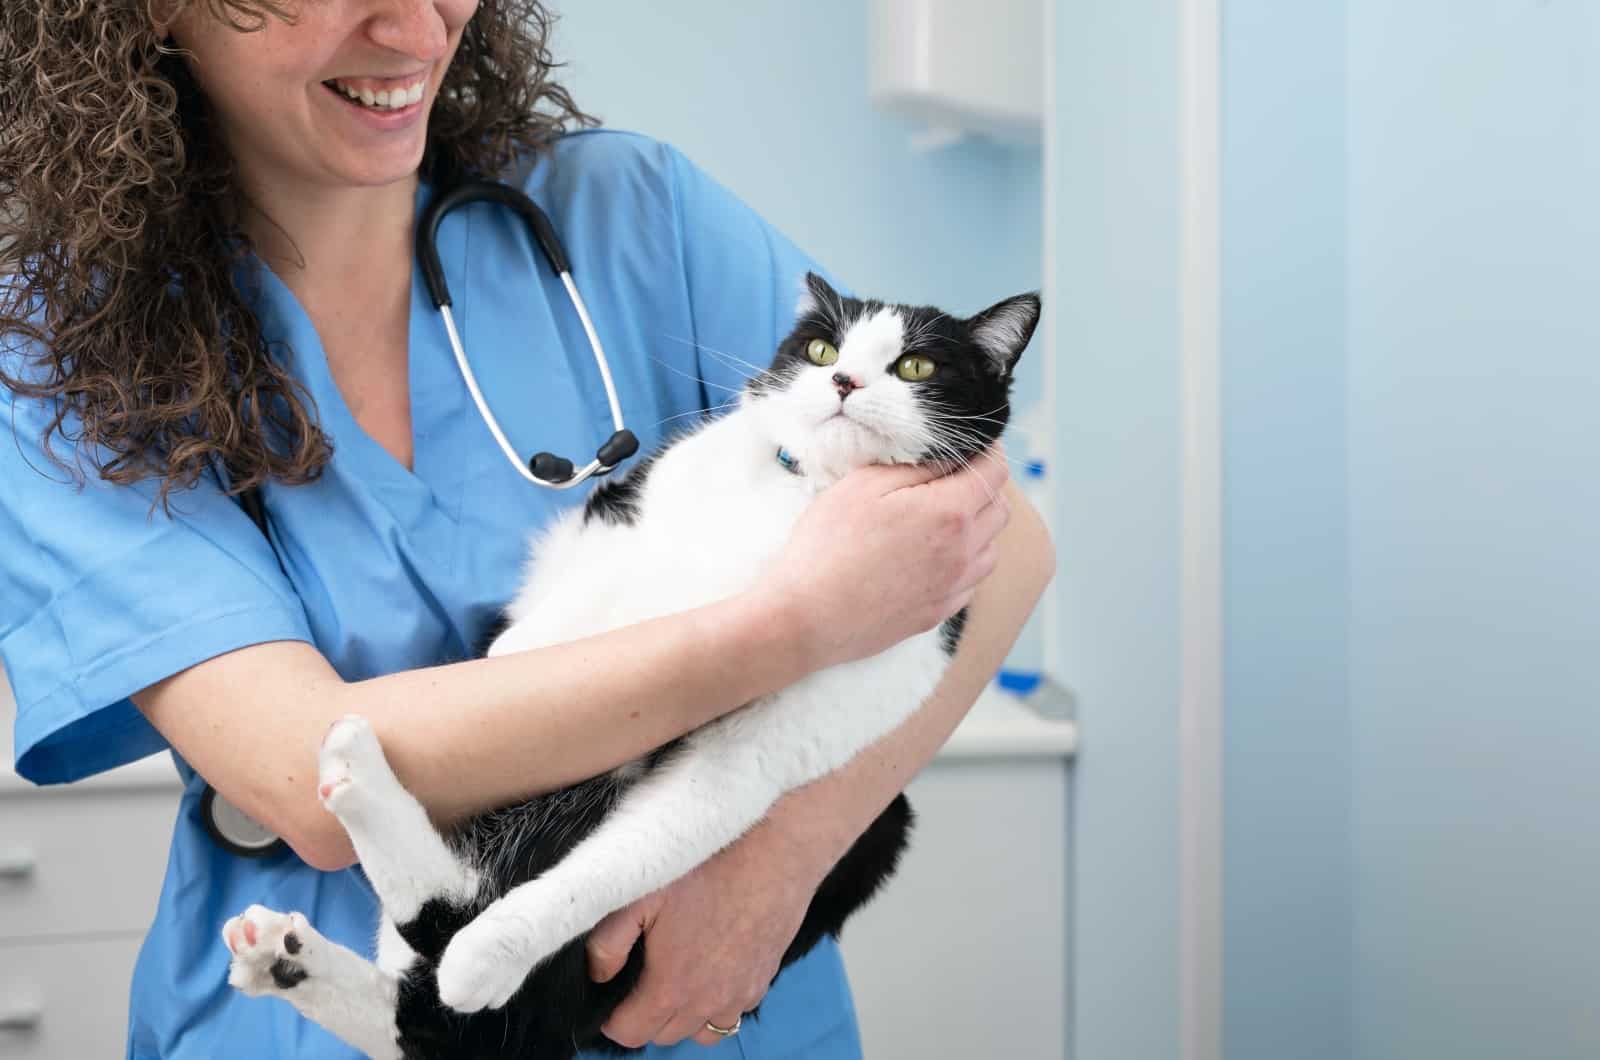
{"x":435,"y":404}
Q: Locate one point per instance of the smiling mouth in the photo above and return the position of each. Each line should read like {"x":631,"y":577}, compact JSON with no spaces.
{"x":392,"y":96}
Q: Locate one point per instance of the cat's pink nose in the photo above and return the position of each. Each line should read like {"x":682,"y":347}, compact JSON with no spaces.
{"x":844,"y":384}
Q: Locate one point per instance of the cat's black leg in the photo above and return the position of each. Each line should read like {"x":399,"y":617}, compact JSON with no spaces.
{"x":557,"y":1012}
{"x":282,"y":955}
{"x":865,"y":868}
{"x":426,"y":888}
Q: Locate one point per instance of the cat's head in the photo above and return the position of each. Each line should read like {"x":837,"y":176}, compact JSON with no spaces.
{"x":864,"y":382}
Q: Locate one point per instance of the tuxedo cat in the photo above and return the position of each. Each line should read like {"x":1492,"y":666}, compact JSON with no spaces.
{"x":480,"y":953}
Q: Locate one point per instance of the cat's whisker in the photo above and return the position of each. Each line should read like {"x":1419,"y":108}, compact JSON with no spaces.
{"x":698,"y":412}
{"x":963,"y":463}
{"x":947,"y":411}
{"x":727,"y":358}
{"x":955,"y":437}
{"x":690,"y":375}
{"x":948,"y":446}
{"x":955,"y":417}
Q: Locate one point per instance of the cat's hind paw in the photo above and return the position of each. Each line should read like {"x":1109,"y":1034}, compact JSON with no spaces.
{"x":351,"y":767}
{"x":270,"y":950}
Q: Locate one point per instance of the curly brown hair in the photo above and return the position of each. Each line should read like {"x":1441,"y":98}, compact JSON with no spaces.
{"x":119,"y":233}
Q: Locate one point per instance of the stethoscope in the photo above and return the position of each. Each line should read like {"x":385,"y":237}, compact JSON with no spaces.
{"x":230,"y":827}
{"x":545,"y":469}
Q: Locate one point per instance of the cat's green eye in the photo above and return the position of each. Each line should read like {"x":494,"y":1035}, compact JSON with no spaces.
{"x":821,"y":352}
{"x":914,"y":368}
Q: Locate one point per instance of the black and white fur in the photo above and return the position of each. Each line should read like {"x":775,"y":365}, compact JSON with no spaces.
{"x":480,"y":950}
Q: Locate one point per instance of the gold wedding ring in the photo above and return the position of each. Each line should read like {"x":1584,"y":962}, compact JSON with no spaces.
{"x":725,"y":1032}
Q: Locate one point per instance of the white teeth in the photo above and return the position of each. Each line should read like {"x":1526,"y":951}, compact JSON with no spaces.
{"x":384,"y":99}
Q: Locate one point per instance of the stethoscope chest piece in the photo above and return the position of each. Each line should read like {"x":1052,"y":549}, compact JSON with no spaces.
{"x":234,"y":830}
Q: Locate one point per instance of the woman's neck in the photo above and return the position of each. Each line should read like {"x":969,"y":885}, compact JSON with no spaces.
{"x":334,"y":240}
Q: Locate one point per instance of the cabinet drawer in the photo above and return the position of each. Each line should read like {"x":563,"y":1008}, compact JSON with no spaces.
{"x":65,"y":1000}
{"x":75,"y":864}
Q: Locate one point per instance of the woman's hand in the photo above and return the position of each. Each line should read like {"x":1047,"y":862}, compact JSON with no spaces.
{"x":889,"y":552}
{"x":713,"y":941}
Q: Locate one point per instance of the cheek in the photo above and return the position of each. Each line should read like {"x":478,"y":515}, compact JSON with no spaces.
{"x":248,"y":73}
{"x":456,"y":14}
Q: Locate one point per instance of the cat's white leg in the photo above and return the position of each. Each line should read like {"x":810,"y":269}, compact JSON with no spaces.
{"x":395,"y":954}
{"x":401,"y":852}
{"x":670,"y":821}
{"x":282,"y":955}
{"x":721,"y":783}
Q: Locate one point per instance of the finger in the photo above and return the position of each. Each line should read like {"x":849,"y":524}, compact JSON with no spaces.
{"x":956,"y":601}
{"x":993,"y":466}
{"x":707,"y":1036}
{"x":634,"y":1023}
{"x":684,"y":1025}
{"x":989,"y":521}
{"x":981,"y":567}
{"x":884,"y":479}
{"x":986,"y":562}
{"x":611,"y":941}
{"x":979,"y":484}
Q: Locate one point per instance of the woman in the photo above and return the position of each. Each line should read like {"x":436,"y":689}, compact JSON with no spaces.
{"x":213,"y":211}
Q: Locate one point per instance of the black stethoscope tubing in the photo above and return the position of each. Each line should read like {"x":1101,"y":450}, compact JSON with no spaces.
{"x":545,"y":469}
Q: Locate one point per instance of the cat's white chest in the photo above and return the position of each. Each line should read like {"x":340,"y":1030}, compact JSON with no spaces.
{"x":713,"y":516}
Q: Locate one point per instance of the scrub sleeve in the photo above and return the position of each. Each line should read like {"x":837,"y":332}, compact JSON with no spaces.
{"x":379,"y":566}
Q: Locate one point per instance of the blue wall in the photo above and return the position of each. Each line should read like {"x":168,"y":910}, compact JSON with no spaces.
{"x":1115,"y":300}
{"x":771,"y":98}
{"x":1474,"y":429}
{"x":1287,"y":852}
{"x":1412,"y":404}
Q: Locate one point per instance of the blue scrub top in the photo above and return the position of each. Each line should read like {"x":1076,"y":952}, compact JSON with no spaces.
{"x":385,"y":568}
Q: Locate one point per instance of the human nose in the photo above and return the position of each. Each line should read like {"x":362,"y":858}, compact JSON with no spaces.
{"x":414,"y":28}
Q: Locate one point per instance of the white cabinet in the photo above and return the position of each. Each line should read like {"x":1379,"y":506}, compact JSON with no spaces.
{"x":80,"y":870}
{"x":65,"y":999}
{"x":964,"y":954}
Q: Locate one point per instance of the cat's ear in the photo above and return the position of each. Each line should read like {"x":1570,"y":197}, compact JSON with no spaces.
{"x":817,"y":298}
{"x":1003,"y":330}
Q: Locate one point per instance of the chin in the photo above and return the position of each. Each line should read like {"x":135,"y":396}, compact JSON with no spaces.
{"x":840,"y":445}
{"x":375,"y":177}
{"x":390,"y":168}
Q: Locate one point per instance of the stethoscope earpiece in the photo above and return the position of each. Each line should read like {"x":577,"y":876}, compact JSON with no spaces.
{"x":550,"y":468}
{"x":544,"y":469}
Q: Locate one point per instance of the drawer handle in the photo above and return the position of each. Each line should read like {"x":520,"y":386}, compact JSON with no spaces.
{"x":17,"y":864}
{"x":23,"y":1017}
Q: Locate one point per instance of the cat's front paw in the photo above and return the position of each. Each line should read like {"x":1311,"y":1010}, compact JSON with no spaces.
{"x":485,"y":963}
{"x":269,"y":950}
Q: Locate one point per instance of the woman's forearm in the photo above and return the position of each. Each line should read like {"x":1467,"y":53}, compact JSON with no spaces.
{"x":468,"y":736}
{"x":818,"y":823}
{"x":553,"y":716}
